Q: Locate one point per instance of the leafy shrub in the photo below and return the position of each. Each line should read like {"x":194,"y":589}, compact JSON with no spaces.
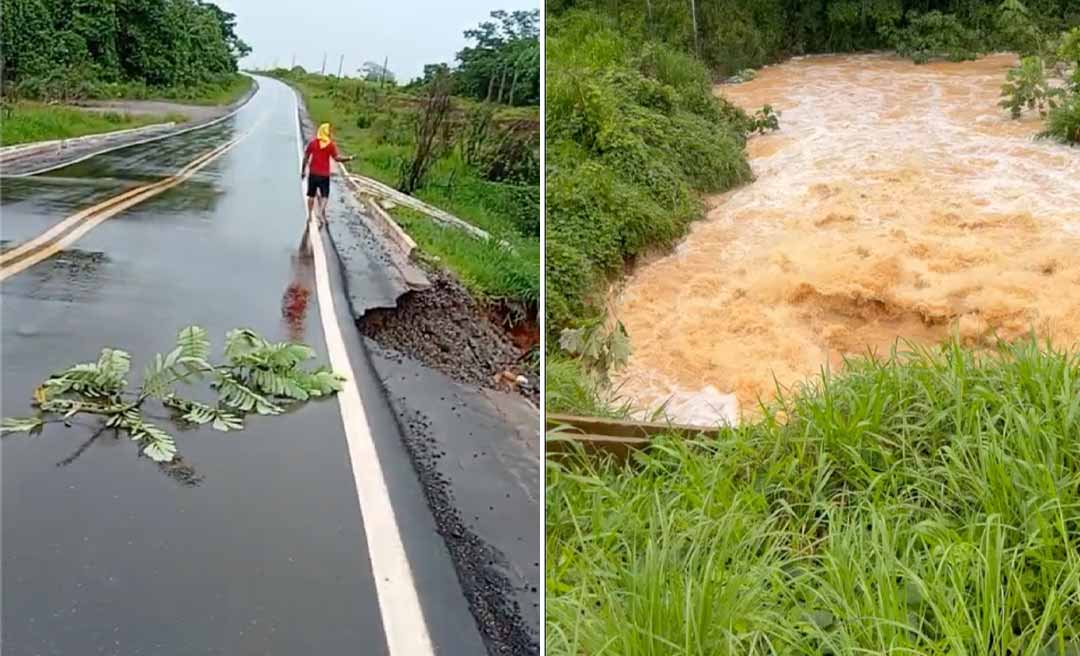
{"x":1069,"y":52}
{"x":1026,"y":86}
{"x":599,"y":349}
{"x":634,"y":136}
{"x":513,"y":156}
{"x":934,"y":35}
{"x":1063,"y":122}
{"x":765,"y":120}
{"x":1016,"y":30}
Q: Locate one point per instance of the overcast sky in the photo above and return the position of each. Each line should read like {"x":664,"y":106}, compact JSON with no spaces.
{"x":410,"y":32}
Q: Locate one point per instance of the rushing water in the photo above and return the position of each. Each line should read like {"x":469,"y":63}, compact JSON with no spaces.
{"x":896,"y":201}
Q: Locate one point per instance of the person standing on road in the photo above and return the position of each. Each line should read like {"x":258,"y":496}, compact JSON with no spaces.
{"x":318,"y":154}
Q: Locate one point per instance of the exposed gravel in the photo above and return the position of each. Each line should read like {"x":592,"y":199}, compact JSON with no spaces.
{"x":445,"y":329}
{"x":481,"y":569}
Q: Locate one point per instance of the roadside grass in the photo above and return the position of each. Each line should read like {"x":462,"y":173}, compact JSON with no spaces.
{"x":220,"y":90}
{"x":30,"y":121}
{"x":927,"y":503}
{"x":374,"y":124}
{"x":492,"y":272}
{"x":569,"y":388}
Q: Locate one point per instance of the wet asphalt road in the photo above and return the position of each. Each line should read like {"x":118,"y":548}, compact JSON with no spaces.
{"x":266,"y":554}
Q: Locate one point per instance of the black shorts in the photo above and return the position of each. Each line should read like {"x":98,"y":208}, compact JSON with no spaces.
{"x":320,"y":182}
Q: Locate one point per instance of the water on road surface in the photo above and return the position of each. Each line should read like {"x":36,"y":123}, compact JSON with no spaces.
{"x":896,"y":201}
{"x":259,"y":547}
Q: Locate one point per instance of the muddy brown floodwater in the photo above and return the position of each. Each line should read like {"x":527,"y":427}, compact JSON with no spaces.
{"x":896,"y":201}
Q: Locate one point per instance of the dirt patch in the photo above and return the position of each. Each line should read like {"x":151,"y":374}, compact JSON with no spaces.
{"x":445,"y":329}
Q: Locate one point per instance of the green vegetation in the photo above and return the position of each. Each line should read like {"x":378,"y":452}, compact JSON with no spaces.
{"x":67,"y":49}
{"x":1028,"y":86}
{"x":504,"y":65}
{"x":934,"y":35}
{"x":490,"y":270}
{"x":925,"y":504}
{"x":26,"y":122}
{"x":1063,"y":122}
{"x":256,"y":377}
{"x":478,"y":161}
{"x":928,"y":504}
{"x":634,"y":135}
{"x":728,"y":36}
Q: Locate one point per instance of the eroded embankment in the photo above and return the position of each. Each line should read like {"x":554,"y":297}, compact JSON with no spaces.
{"x":897,"y":201}
{"x":446,"y":329}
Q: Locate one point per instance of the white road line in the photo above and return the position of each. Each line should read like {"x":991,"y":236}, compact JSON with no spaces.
{"x":402,"y":617}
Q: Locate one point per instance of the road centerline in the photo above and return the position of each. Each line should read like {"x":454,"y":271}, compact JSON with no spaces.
{"x":69,"y":230}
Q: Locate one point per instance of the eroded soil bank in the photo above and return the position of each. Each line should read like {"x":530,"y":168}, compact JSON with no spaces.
{"x":896,"y":201}
{"x":446,"y":329}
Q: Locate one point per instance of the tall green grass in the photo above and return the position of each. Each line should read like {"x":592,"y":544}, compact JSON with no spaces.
{"x":27,"y":122}
{"x":927,"y":504}
{"x":505,"y":268}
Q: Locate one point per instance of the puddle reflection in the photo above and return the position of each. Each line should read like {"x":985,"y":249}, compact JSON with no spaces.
{"x":294,"y":302}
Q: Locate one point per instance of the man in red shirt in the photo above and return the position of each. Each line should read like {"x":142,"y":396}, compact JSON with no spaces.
{"x":318,"y":153}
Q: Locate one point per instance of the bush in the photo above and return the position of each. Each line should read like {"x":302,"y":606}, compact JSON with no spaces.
{"x":570,"y":388}
{"x":634,"y":136}
{"x":935,"y":35}
{"x":1026,"y":87}
{"x":1063,"y":122}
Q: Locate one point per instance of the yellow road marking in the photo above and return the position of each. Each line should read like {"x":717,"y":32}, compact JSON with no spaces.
{"x":60,"y":227}
{"x":49,"y":243}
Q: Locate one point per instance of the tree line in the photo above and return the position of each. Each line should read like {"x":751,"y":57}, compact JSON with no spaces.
{"x":504,"y":64}
{"x":730,"y":35}
{"x":158,"y":43}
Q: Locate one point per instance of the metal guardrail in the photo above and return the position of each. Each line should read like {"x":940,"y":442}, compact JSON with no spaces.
{"x":618,"y":437}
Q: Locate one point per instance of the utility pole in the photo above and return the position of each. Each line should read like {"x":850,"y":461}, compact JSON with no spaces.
{"x":340,"y":62}
{"x":322,"y":71}
{"x":693,"y":15}
{"x":384,"y":71}
{"x":293,"y":62}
